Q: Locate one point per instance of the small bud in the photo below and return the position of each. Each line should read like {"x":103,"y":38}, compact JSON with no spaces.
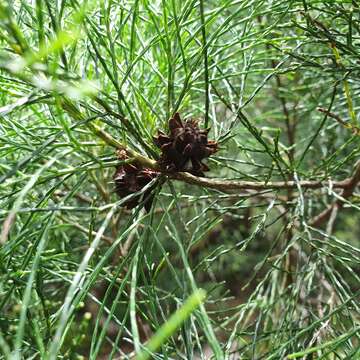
{"x":87,"y":316}
{"x":81,"y":305}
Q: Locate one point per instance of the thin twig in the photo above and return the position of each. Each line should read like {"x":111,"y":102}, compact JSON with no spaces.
{"x":348,"y":189}
{"x":354,"y":129}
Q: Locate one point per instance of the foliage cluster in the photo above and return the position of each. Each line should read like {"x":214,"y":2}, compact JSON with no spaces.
{"x":81,"y":276}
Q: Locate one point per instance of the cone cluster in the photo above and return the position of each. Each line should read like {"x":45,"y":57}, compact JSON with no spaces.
{"x":185,"y":147}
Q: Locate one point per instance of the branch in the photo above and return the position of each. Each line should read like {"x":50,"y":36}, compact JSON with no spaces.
{"x":348,"y":189}
{"x":145,"y":161}
{"x":222,"y":184}
{"x":353,"y":128}
{"x":225,"y":185}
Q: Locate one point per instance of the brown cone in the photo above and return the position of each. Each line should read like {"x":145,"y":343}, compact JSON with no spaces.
{"x":131,"y":178}
{"x":185,"y":147}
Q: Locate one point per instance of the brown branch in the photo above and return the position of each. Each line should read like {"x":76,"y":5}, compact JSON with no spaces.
{"x":220,"y":184}
{"x":349,"y":186}
{"x":353,"y":128}
{"x":226,"y":185}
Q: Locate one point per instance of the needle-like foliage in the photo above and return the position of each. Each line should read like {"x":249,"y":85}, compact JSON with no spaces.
{"x":271,"y":234}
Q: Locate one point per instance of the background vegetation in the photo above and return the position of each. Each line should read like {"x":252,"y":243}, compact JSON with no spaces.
{"x":83,"y":277}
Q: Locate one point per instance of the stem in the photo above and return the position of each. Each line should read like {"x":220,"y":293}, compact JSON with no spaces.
{"x":221,"y":184}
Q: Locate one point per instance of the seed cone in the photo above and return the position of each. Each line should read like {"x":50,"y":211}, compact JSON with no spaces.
{"x":185,"y":147}
{"x":131,"y":178}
